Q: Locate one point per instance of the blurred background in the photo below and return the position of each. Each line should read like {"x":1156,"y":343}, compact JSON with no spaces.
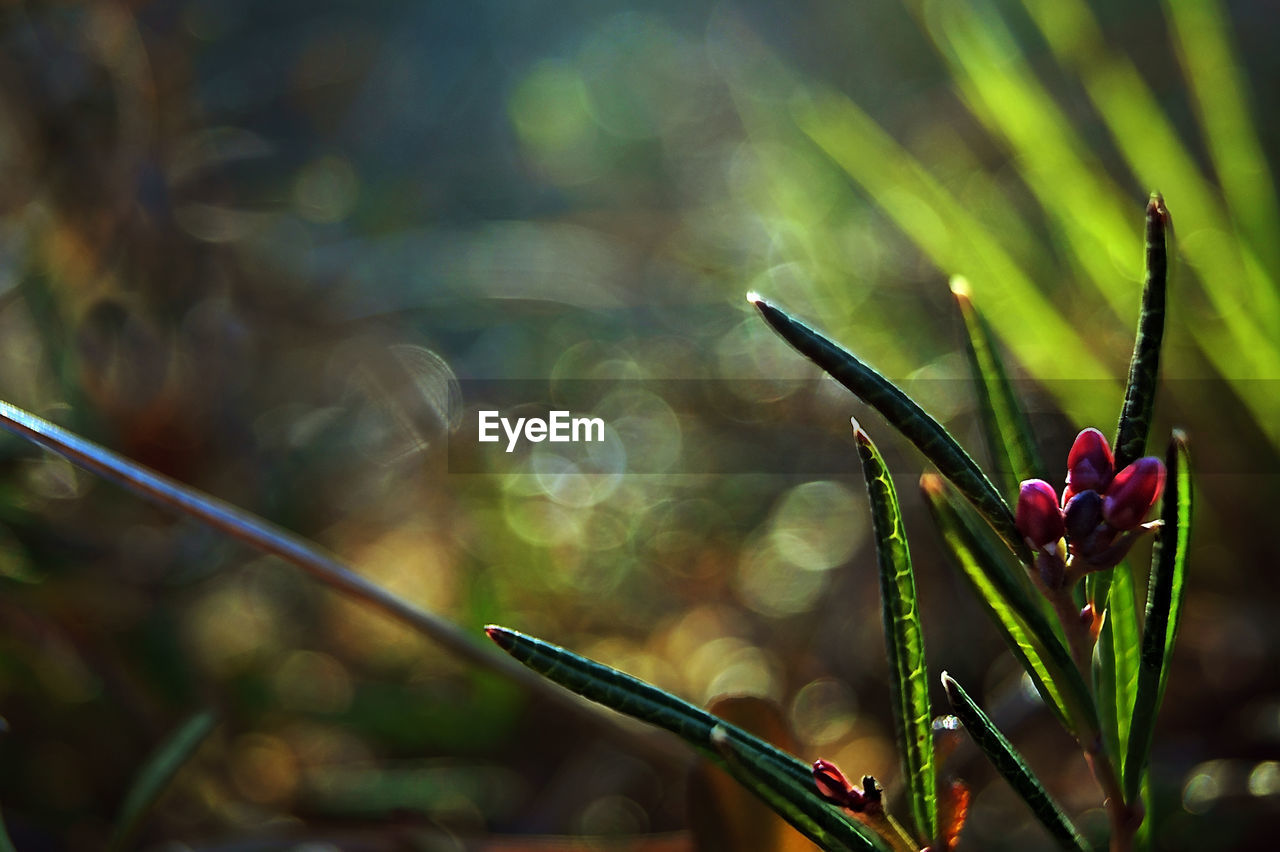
{"x":282,"y":251}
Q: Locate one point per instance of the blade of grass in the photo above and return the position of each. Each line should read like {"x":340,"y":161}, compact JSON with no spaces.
{"x":156,"y":774}
{"x":632,"y":696}
{"x":239,"y":524}
{"x":1009,"y":437}
{"x":904,"y":640}
{"x":939,"y":223}
{"x":1242,"y":345}
{"x":903,"y":414}
{"x":1022,"y":623}
{"x":1009,"y":763}
{"x":1144,"y":369}
{"x":275,"y":540}
{"x":1164,"y":608}
{"x":1104,"y":687}
{"x":1122,"y":611}
{"x":1200,"y":33}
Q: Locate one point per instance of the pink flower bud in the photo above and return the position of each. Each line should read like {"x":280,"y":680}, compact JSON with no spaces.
{"x":1133,"y":492}
{"x":1038,"y":517}
{"x":1089,"y":464}
{"x":832,"y":785}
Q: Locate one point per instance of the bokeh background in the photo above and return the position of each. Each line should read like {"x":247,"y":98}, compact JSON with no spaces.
{"x":281,"y":250}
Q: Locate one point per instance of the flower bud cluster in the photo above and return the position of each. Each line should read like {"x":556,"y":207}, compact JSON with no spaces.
{"x":1099,"y":517}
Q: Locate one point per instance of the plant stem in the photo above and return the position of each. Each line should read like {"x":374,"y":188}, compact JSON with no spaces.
{"x":1124,"y":818}
{"x":1079,"y":636}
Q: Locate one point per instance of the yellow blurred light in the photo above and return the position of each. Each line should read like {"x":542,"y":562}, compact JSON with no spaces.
{"x":263,"y":768}
{"x":312,"y":682}
{"x":818,"y":525}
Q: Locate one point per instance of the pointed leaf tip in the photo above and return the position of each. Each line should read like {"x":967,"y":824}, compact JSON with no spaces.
{"x":500,"y":635}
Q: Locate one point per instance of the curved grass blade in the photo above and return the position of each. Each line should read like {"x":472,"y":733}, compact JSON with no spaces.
{"x":1164,"y":607}
{"x":1005,"y":758}
{"x":1022,"y":623}
{"x":1122,"y":612}
{"x":1144,"y":368}
{"x":782,"y":774}
{"x":258,"y":533}
{"x":904,"y":640}
{"x":156,"y":773}
{"x":1104,"y":687}
{"x":1009,"y":437}
{"x":904,"y":415}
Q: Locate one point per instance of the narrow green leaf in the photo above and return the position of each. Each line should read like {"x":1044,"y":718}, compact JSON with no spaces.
{"x":156,"y":773}
{"x":632,"y":696}
{"x":1144,"y":369}
{"x":904,"y":640}
{"x":1009,"y":763}
{"x":1022,"y":623}
{"x":1004,"y":422}
{"x":904,"y":415}
{"x":1122,"y":612}
{"x":1104,"y":687}
{"x":818,"y":820}
{"x":1164,"y":607}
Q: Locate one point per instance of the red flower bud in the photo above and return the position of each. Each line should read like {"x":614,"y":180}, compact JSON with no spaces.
{"x":1038,"y":517}
{"x":832,"y":785}
{"x":1133,"y":492}
{"x":1089,"y":464}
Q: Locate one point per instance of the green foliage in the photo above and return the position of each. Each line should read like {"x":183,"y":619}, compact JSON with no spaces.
{"x":1022,"y":623}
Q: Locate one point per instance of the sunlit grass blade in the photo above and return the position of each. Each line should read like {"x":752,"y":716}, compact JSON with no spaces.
{"x":1122,"y":612}
{"x":157,"y":773}
{"x":904,"y":640}
{"x":1201,"y":34}
{"x":904,"y":415}
{"x":1008,"y":433}
{"x":1009,"y":763}
{"x":1164,"y":607}
{"x":944,"y":229}
{"x":1104,"y":688}
{"x":1023,"y":624}
{"x":818,"y":820}
{"x":1115,"y":662}
{"x":632,"y":696}
{"x":256,"y":532}
{"x":1144,"y":369}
